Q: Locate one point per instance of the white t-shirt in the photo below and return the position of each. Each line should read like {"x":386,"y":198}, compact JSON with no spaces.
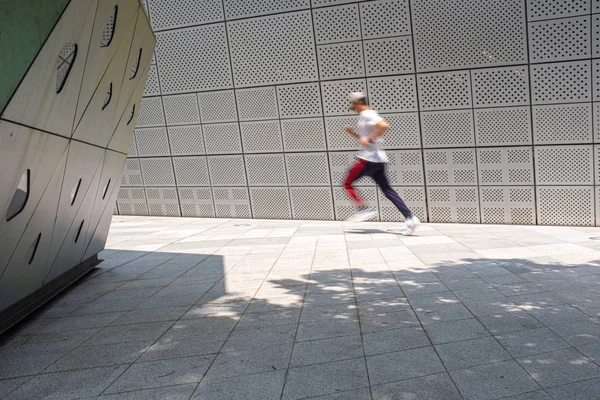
{"x":367,"y":120}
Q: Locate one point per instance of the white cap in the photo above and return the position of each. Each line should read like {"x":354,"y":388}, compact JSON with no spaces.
{"x":355,"y":96}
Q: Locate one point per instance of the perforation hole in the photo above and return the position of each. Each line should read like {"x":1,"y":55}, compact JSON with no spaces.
{"x":109,"y":30}
{"x":66,"y":59}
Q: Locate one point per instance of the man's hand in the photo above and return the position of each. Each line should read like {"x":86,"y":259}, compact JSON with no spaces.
{"x":351,"y":132}
{"x":365,"y":142}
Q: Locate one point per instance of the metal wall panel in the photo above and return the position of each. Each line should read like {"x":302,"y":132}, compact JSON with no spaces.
{"x":453,"y":204}
{"x":244,"y":9}
{"x":303,"y":134}
{"x":389,"y":56}
{"x":344,"y":208}
{"x":447,"y":128}
{"x":546,"y":9}
{"x":385,"y":18}
{"x":560,"y":40}
{"x":232,"y":202}
{"x":312,"y":203}
{"x":181,"y":109}
{"x":503,"y":126}
{"x":196,"y":202}
{"x":564,"y":123}
{"x":414,"y":198}
{"x":507,"y":205}
{"x":152,"y":142}
{"x":191,"y":171}
{"x":307,"y":169}
{"x":222,"y":138}
{"x":450,"y":167}
{"x":505,"y":166}
{"x":186,"y":140}
{"x":217,"y":106}
{"x":576,"y":84}
{"x":163,"y":202}
{"x":257,"y":103}
{"x":270,"y":203}
{"x":227,"y":170}
{"x":506,"y":86}
{"x":393,"y":94}
{"x":303,"y":100}
{"x":337,"y":24}
{"x":564,"y":165}
{"x":157,"y":171}
{"x":444,"y":91}
{"x":169,"y":15}
{"x":266,"y":170}
{"x":261,"y":137}
{"x":132,"y":201}
{"x":565,"y":205}
{"x":341,"y":60}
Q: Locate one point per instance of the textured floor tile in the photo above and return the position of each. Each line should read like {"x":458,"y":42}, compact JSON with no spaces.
{"x":81,"y":322}
{"x":480,"y":293}
{"x":482,"y":308}
{"x":380,"y":322}
{"x":379,"y":307}
{"x":434,"y":387}
{"x":272,"y":318}
{"x":346,"y":311}
{"x":358,"y":394}
{"x":559,"y":367}
{"x":167,"y":347}
{"x":324,"y":379}
{"x":558,"y":315}
{"x":157,"y":374}
{"x":327,"y":350}
{"x":499,"y":324}
{"x":105,"y":355}
{"x":585,"y":390}
{"x":180,"y":392}
{"x":537,"y":395}
{"x":18,"y":361}
{"x":535,"y":341}
{"x":446,"y":332}
{"x":493,"y":381}
{"x":148,"y":332}
{"x":263,"y":337}
{"x":9,"y":385}
{"x":592,"y":351}
{"x":202,"y":326}
{"x":236,"y":361}
{"x":579,"y":333}
{"x":401,"y":365}
{"x":471,"y":353}
{"x":326,"y":329}
{"x":268,"y":385}
{"x":443,"y":313}
{"x":394,"y":340}
{"x":152,"y":315}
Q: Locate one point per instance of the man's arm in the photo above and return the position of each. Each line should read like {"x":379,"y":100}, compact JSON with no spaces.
{"x":351,"y":132}
{"x":381,"y":127}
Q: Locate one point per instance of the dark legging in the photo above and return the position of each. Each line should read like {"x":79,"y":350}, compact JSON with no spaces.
{"x":375,"y":171}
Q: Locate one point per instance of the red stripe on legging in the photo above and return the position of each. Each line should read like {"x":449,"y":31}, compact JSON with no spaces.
{"x":353,"y":175}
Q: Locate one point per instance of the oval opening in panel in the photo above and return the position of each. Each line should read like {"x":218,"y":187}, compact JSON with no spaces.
{"x":131,"y":115}
{"x":20,"y":197}
{"x":33,"y":249}
{"x":105,"y":190}
{"x":108,"y":97}
{"x":66,"y":59}
{"x":75,"y":191}
{"x":136,"y":66}
{"x":79,"y":231}
{"x":109,"y":29}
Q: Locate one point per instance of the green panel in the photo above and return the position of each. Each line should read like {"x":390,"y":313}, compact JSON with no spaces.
{"x":24,"y":26}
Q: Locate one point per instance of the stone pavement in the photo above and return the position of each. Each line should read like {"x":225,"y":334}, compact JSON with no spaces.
{"x":230,"y":309}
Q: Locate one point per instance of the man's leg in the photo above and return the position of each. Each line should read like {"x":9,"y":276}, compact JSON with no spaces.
{"x":393,"y":196}
{"x":363,"y":212}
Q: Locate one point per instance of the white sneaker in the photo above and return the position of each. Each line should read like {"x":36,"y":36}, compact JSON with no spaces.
{"x":363,"y":215}
{"x":410,"y":225}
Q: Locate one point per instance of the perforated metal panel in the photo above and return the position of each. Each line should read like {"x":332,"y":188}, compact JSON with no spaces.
{"x":257,"y":103}
{"x":447,"y":128}
{"x":503,"y":126}
{"x":389,"y":56}
{"x":565,"y":205}
{"x":259,"y":60}
{"x":181,"y":109}
{"x":168,"y":15}
{"x":405,"y":167}
{"x":596,"y":79}
{"x":261,"y":137}
{"x":132,"y":201}
{"x":505,"y":166}
{"x":217,"y":106}
{"x":151,"y":112}
{"x":163,"y":202}
{"x":266,"y":170}
{"x":403,"y":133}
{"x":568,"y":165}
{"x":196,"y":202}
{"x":227,"y":170}
{"x":187,"y":62}
{"x":312,"y":203}
{"x":322,"y":3}
{"x":232,"y":202}
{"x":344,"y":208}
{"x":450,"y":167}
{"x":507,"y":205}
{"x":337,"y":138}
{"x":340,"y":164}
{"x":191,"y":171}
{"x":132,"y":176}
{"x":576,"y":85}
{"x":186,"y":140}
{"x":385,"y":18}
{"x":152,"y":85}
{"x":443,"y":91}
{"x":393,"y":94}
{"x":270,"y":203}
{"x":597,"y":164}
{"x":222,"y":138}
{"x":596,"y":122}
{"x":495,"y":87}
{"x":546,"y":9}
{"x":243,"y":8}
{"x":302,"y":100}
{"x":570,"y":123}
{"x":337,"y":24}
{"x":157,"y":171}
{"x":341,"y":60}
{"x":595,"y":35}
{"x":414,"y":197}
{"x":453,"y":204}
{"x":152,"y":142}
{"x":560,"y":40}
{"x":489,"y":33}
{"x":308,"y":169}
{"x":303,"y":134}
{"x":335,"y":95}
{"x":132,"y":148}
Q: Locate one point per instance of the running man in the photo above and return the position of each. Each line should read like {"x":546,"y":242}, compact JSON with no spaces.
{"x":372,"y":163}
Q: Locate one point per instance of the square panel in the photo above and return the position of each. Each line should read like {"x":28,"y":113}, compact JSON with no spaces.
{"x":181,"y":109}
{"x":152,"y":142}
{"x":163,"y":202}
{"x":404,"y":131}
{"x":341,"y":60}
{"x":227,"y":170}
{"x":312,"y":203}
{"x":453,"y":204}
{"x":393,"y":94}
{"x":337,"y":138}
{"x":261,"y":137}
{"x":222,"y":138}
{"x":414,"y":197}
{"x":507,"y":86}
{"x":151,"y":112}
{"x":595,"y":35}
{"x":132,"y":175}
{"x":132,"y":201}
{"x":270,"y":203}
{"x":503,"y":126}
{"x":568,"y":123}
{"x":196,"y":202}
{"x":505,"y":166}
{"x":169,"y":15}
{"x":303,"y":100}
{"x":385,"y":18}
{"x":389,"y":56}
{"x":335,"y":95}
{"x":217,"y":106}
{"x":596,"y":122}
{"x":191,"y":171}
{"x":596,"y":79}
{"x":257,"y":103}
{"x":472,"y":33}
{"x":232,"y":202}
{"x":575,"y":87}
{"x":132,"y":148}
{"x":507,"y":205}
{"x":259,"y":60}
{"x":186,"y":140}
{"x":266,"y":170}
{"x":344,"y":208}
{"x":152,"y":85}
{"x":405,"y":167}
{"x":564,"y":165}
{"x":447,"y":128}
{"x":546,"y":9}
{"x":303,"y":134}
{"x":242,"y":9}
{"x":450,"y":167}
{"x":187,"y":62}
{"x":323,"y":3}
{"x":157,"y":171}
{"x":565,"y":205}
{"x":443,"y":91}
{"x":336,"y":24}
{"x":560,"y":40}
{"x":308,"y":169}
{"x":340,"y":164}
